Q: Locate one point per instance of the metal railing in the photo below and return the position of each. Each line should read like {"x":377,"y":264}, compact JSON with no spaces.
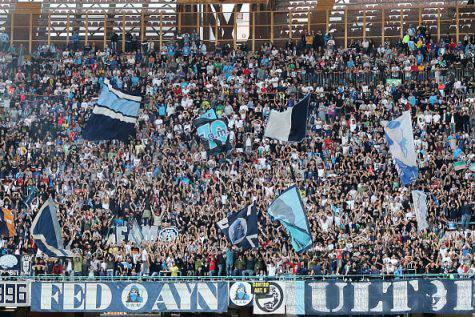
{"x":374,"y":77}
{"x":355,"y":277}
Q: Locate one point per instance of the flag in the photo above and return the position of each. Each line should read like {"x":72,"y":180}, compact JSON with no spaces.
{"x":419,"y":201}
{"x":114,"y":116}
{"x":460,"y":165}
{"x":46,"y":231}
{"x":289,"y":125}
{"x":288,"y":209}
{"x":400,"y":140}
{"x":7,"y":227}
{"x":213,"y":132}
{"x":241,"y":228}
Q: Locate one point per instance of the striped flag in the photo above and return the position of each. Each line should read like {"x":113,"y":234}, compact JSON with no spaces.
{"x":114,"y":116}
{"x":7,"y":227}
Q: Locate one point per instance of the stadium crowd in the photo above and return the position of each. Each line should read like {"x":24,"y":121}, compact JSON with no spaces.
{"x":361,"y":217}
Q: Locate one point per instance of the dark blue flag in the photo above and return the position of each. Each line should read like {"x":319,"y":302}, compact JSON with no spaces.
{"x":213,"y":132}
{"x":46,"y":231}
{"x":241,"y":228}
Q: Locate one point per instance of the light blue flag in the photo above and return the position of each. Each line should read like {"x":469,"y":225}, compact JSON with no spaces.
{"x":288,"y":209}
{"x":114,"y":117}
{"x":400,"y":140}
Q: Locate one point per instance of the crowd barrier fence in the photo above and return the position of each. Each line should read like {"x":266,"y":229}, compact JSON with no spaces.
{"x":291,"y":295}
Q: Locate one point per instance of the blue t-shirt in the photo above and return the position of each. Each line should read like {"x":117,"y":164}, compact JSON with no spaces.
{"x":171,"y":50}
{"x":162,"y":110}
{"x":186,"y":50}
{"x":229,"y":257}
{"x":135,"y":80}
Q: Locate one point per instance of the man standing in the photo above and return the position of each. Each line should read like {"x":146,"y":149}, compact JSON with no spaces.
{"x":229,"y":260}
{"x":466,"y":211}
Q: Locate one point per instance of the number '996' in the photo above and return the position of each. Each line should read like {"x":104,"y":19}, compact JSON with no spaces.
{"x":13,"y":293}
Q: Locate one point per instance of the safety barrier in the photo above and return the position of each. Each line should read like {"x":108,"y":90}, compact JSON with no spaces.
{"x":185,"y":278}
{"x":277,"y":295}
{"x":374,"y":77}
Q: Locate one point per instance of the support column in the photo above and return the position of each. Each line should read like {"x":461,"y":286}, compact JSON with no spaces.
{"x":67,"y":29}
{"x":49,"y":29}
{"x":198,"y":16}
{"x":291,"y":17}
{"x":327,"y":21}
{"x":457,"y":23}
{"x":206,"y":24}
{"x":272,"y":27}
{"x":179,"y":22}
{"x":364,"y":25}
{"x":309,"y":20}
{"x":438,"y":24}
{"x":12,"y":25}
{"x":402,"y":25}
{"x":346,"y":28}
{"x":216,"y":36}
{"x":383,"y":22}
{"x":86,"y":29}
{"x":420,"y":16}
{"x":235,"y":27}
{"x":123,"y":32}
{"x":104,"y":40}
{"x":253,"y":31}
{"x":30,"y":38}
{"x":161,"y":30}
{"x":142,"y":27}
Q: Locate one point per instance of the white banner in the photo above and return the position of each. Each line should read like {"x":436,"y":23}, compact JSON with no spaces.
{"x":271,"y":303}
{"x":14,"y":294}
{"x":419,"y":201}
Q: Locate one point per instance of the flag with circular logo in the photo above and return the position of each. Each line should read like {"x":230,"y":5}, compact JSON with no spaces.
{"x":213,"y":132}
{"x":241,"y":228}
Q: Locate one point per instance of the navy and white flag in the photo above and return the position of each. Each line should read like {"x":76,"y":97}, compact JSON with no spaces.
{"x":241,"y":228}
{"x":400,"y":140}
{"x":114,"y":116}
{"x":213,"y":132}
{"x":288,"y":209}
{"x":46,"y":231}
{"x":289,"y":125}
{"x":419,"y":200}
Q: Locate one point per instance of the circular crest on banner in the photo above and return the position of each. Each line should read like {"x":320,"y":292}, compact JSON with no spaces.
{"x":134,"y":296}
{"x":240,"y":293}
{"x":168,"y":234}
{"x":272,"y":301}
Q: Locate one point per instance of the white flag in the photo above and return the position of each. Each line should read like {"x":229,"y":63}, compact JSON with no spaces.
{"x":400,"y":139}
{"x":419,"y":200}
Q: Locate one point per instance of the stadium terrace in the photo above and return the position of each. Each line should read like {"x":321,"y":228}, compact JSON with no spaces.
{"x":300,"y":179}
